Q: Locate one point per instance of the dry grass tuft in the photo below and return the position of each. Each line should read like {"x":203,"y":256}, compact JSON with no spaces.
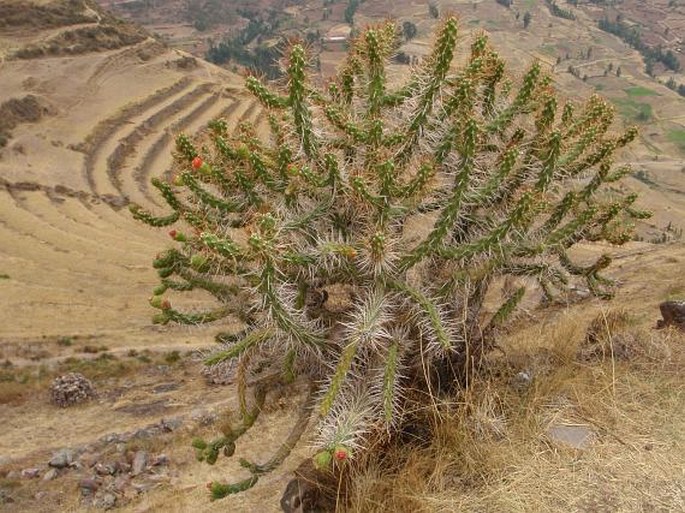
{"x":491,"y":452}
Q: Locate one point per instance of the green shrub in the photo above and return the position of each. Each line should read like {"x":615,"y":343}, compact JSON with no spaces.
{"x":357,"y":242}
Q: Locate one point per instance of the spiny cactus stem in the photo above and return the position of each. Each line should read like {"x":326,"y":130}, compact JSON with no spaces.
{"x":253,"y":339}
{"x":341,"y":369}
{"x":390,"y":373}
{"x":148,"y":218}
{"x":297,"y":100}
{"x":429,"y":309}
{"x":506,"y":309}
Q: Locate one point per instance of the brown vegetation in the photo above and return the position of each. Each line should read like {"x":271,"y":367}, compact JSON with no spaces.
{"x":21,"y":15}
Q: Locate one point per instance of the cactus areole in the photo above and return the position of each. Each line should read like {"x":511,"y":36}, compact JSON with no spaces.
{"x":357,"y":242}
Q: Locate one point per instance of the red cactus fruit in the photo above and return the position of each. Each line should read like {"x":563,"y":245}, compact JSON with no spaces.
{"x":197,"y":162}
{"x":341,"y":453}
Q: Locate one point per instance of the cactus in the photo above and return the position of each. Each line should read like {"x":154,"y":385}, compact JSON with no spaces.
{"x":310,"y":236}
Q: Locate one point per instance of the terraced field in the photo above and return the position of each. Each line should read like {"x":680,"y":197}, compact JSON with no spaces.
{"x":74,"y":262}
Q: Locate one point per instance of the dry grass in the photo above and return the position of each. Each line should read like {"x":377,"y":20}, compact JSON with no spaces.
{"x":490,"y":451}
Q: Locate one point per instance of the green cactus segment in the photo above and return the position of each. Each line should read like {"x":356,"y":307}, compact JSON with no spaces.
{"x":220,"y":490}
{"x":223,"y":246}
{"x":302,"y":116}
{"x":434,"y":78}
{"x":185,"y":148}
{"x":284,"y":316}
{"x":428,"y":308}
{"x":358,"y":241}
{"x":207,"y":198}
{"x":253,"y":339}
{"x":341,"y":370}
{"x":507,"y":308}
{"x":156,"y":221}
{"x":265,"y":96}
{"x":390,"y":377}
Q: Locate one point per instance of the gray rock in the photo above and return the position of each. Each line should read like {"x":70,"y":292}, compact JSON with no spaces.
{"x":88,"y":459}
{"x":62,"y":458}
{"x":143,"y":487}
{"x":139,"y":463}
{"x":5,"y":498}
{"x":204,"y":417}
{"x":578,"y":437}
{"x":51,"y":474}
{"x":522,"y":380}
{"x":165,"y":387}
{"x":30,"y":473}
{"x":105,"y":501}
{"x":673,"y":313}
{"x":102,"y":469}
{"x":88,"y":486}
{"x":13,"y":475}
{"x":162,"y":459}
{"x":122,"y":467}
{"x":121,"y":483}
{"x":172,"y":424}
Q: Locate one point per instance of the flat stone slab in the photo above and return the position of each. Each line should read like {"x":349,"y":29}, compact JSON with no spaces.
{"x":576,"y":436}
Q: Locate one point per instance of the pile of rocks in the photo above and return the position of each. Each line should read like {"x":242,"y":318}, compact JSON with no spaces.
{"x":70,"y":389}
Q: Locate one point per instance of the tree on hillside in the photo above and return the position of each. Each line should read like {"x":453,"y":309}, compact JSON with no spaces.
{"x":527,"y":17}
{"x":409,"y":30}
{"x":357,"y":243}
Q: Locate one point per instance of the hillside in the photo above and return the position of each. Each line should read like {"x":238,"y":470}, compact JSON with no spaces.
{"x":583,"y":58}
{"x":89,"y":107}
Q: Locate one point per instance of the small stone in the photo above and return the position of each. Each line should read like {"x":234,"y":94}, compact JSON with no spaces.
{"x":143,"y":487}
{"x":5,"y":498}
{"x":88,"y":486}
{"x":122,"y":467}
{"x":673,"y":313}
{"x":62,"y":458}
{"x":88,"y":459}
{"x":204,"y":417}
{"x":162,"y":459}
{"x":104,"y":470}
{"x":105,"y":501}
{"x":51,"y":474}
{"x":165,"y":387}
{"x":578,"y":437}
{"x":13,"y":475}
{"x":169,"y":425}
{"x":121,"y":483}
{"x":139,"y":463}
{"x":522,"y":380}
{"x":30,"y":473}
